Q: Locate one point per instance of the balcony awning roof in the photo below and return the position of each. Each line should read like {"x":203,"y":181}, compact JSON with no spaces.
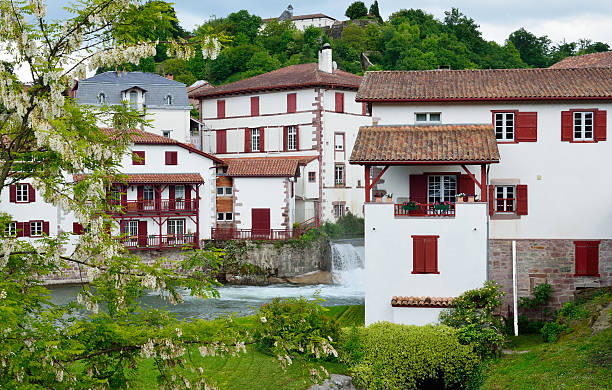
{"x":436,"y":144}
{"x":263,"y":167}
{"x":156,"y":178}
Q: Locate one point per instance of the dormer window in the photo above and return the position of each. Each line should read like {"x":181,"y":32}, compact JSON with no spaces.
{"x":134,"y":99}
{"x":102,"y":98}
{"x":168,"y":100}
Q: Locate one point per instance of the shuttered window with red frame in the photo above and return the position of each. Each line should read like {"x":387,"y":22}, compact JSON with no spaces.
{"x":339,"y":102}
{"x":138,"y":157}
{"x":77,"y":228}
{"x":515,"y":126}
{"x":587,"y":258}
{"x":521,"y":200}
{"x":171,"y":158}
{"x":425,"y":254}
{"x":221,"y":141}
{"x":291,"y":102}
{"x":570,"y":125}
{"x":220,"y":109}
{"x":254,"y":105}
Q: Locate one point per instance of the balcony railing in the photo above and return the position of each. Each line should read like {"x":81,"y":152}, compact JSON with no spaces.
{"x":161,"y":242}
{"x":425,"y":210}
{"x":189,"y":206}
{"x":253,"y":234}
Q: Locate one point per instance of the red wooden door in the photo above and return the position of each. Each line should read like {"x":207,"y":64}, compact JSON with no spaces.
{"x":260,"y":222}
{"x":142,"y":234}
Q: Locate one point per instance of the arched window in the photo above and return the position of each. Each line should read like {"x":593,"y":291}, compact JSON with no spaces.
{"x":101,"y":98}
{"x":168,"y":100}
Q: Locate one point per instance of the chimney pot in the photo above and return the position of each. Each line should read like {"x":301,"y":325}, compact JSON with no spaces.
{"x":170,"y":76}
{"x":325,"y":59}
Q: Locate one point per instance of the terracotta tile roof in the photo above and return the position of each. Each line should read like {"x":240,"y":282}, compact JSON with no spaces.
{"x":153,"y":178}
{"x":262,"y":167}
{"x":302,"y":160}
{"x":594,"y":60}
{"x":486,"y":84}
{"x":422,"y":144}
{"x":422,"y":302}
{"x":290,"y":77}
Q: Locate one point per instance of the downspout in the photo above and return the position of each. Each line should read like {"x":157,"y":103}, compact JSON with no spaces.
{"x":486,"y":188}
{"x":514,"y":294}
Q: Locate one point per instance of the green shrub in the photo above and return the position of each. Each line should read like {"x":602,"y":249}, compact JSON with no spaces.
{"x":551,"y":331}
{"x":527,"y":326}
{"x":538,"y":302}
{"x":348,"y":225}
{"x":391,"y":356}
{"x":572,"y":311}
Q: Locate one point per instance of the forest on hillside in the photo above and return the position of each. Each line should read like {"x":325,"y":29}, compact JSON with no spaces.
{"x":411,"y":39}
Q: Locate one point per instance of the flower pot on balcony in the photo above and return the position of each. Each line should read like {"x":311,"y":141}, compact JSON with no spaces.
{"x":471,"y":198}
{"x":409,"y":206}
{"x":442,"y":207}
{"x":378,"y":199}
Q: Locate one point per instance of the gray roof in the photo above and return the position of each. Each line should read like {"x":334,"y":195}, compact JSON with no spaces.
{"x":112,"y":84}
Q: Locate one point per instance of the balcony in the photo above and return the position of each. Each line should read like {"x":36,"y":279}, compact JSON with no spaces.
{"x":253,"y":234}
{"x":170,"y":241}
{"x":156,"y":207}
{"x":424,"y":210}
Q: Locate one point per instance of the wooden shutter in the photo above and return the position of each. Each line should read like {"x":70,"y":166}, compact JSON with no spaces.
{"x":13,"y":193}
{"x":291,"y":102}
{"x":466,"y":185}
{"x":46,"y":227}
{"x":418,"y":188}
{"x":123,"y":192}
{"x":566,"y":126}
{"x":77,"y":228}
{"x":262,"y":140}
{"x":418,"y":254}
{"x":431,"y":255}
{"x":140,"y":193}
{"x":339,"y":102}
{"x":254,"y":105}
{"x":171,"y":197}
{"x":581,"y":258}
{"x":142,"y":234}
{"x":491,"y":200}
{"x":26,"y":229}
{"x":587,"y":258}
{"x":297,"y":137}
{"x":592,"y":257}
{"x":168,"y":158}
{"x":600,"y":125}
{"x":220,"y":109}
{"x":526,"y":127}
{"x":31,"y":194}
{"x":187,"y":196}
{"x":138,"y":158}
{"x":20,"y":229}
{"x":285,"y":138}
{"x":247,"y":140}
{"x":521,"y":199}
{"x":364,"y":109}
{"x":221,"y":141}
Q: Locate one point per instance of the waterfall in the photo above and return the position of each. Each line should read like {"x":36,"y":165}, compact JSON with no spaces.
{"x":347,"y":265}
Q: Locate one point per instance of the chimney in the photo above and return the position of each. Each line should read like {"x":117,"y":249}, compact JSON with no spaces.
{"x":325,"y":59}
{"x":170,"y":76}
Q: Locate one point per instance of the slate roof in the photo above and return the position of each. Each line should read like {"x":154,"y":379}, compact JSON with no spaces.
{"x":422,"y":301}
{"x":301,"y":17}
{"x":112,"y":84}
{"x":151,"y":178}
{"x":290,"y":77}
{"x":594,"y":60}
{"x":444,"y":144}
{"x":486,"y":84}
{"x":262,"y":167}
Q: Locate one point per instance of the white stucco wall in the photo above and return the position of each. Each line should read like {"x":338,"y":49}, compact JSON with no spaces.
{"x":259,"y":193}
{"x":302,"y":24}
{"x":462,"y":259}
{"x":563,"y":178}
{"x":177,"y":121}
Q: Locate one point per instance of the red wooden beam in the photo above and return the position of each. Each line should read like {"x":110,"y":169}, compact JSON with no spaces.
{"x":471,"y":175}
{"x":483,"y":181}
{"x":379,"y":176}
{"x":367,"y":183}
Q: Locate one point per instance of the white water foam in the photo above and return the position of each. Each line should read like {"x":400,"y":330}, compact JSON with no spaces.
{"x":348,"y":264}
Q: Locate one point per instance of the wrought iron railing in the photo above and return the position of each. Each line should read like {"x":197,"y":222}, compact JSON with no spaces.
{"x":413,"y":209}
{"x":152,"y":241}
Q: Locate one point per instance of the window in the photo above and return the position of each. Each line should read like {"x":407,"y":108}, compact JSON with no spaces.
{"x":219,"y":191}
{"x":171,"y":158}
{"x":133,"y":99}
{"x":312,"y":177}
{"x":291,"y":102}
{"x":339,"y":142}
{"x":339,"y":179}
{"x":427,"y":117}
{"x":166,"y":133}
{"x":441,"y":188}
{"x":504,"y":199}
{"x":179,"y":192}
{"x":291,"y":138}
{"x":583,"y":125}
{"x":228,"y":191}
{"x":338,"y":210}
{"x":36,"y":228}
{"x":10,"y":229}
{"x":220,"y":216}
{"x":138,"y":158}
{"x":221,"y":171}
{"x":23,"y":191}
{"x":229,"y":216}
{"x":255,"y":140}
{"x":587,"y":258}
{"x":168,"y":100}
{"x":425,"y":254}
{"x":504,"y":126}
{"x":176,"y":226}
{"x":220,"y":109}
{"x":148,"y":193}
{"x":102,"y":98}
{"x":131,"y":228}
{"x":224,"y":191}
{"x":225,"y":216}
{"x":339,"y":102}
{"x":254,"y":105}
{"x":366,"y":109}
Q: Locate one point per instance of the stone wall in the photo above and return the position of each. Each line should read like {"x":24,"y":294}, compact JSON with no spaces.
{"x":545,"y":261}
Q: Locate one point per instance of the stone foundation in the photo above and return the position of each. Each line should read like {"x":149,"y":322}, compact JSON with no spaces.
{"x":544,"y":261}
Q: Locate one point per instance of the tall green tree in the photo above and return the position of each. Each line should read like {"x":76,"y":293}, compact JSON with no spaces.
{"x":534,"y":50}
{"x":356,"y":10}
{"x":375,"y":12}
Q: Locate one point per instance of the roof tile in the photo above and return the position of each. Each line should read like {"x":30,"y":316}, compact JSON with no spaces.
{"x":154,"y":178}
{"x":266,"y":167}
{"x":594,"y":60}
{"x":422,"y":302}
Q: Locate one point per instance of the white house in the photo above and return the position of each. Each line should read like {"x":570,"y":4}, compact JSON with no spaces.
{"x":527,"y":143}
{"x":305,"y":112}
{"x":301,"y":22}
{"x":163,"y":100}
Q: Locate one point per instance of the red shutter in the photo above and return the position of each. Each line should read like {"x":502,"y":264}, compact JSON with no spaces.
{"x":431,"y":254}
{"x":77,"y":228}
{"x":142,"y":234}
{"x":291,"y":102}
{"x":171,"y":197}
{"x":20,"y":229}
{"x":171,"y":158}
{"x":175,"y":158}
{"x":592,"y":266}
{"x":339,"y":102}
{"x":418,"y":254}
{"x":247,"y":140}
{"x":363,"y":109}
{"x":140,"y":192}
{"x":220,"y":109}
{"x":46,"y":227}
{"x":491,"y":200}
{"x":138,"y":158}
{"x":526,"y":127}
{"x":13,"y":193}
{"x":566,"y":126}
{"x":188,"y":196}
{"x":31,"y":194}
{"x":581,"y":258}
{"x":168,"y":158}
{"x":26,"y":229}
{"x":600,"y":125}
{"x":466,"y":185}
{"x":123,"y":190}
{"x":262,"y":140}
{"x":418,"y":188}
{"x":254,"y":105}
{"x":221,"y":141}
{"x":521,"y":199}
{"x":297,"y":137}
{"x":285,"y":136}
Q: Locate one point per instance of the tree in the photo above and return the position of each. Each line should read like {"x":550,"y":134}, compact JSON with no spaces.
{"x":534,"y":50}
{"x":46,"y":138}
{"x":374,"y":11}
{"x":356,"y":10}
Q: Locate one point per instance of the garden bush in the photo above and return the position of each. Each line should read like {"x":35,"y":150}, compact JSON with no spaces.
{"x":551,"y":330}
{"x":391,"y":356}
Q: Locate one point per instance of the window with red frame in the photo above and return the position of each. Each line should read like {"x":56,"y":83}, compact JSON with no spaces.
{"x":425,"y":254}
{"x":587,"y":258}
{"x":171,"y":158}
{"x":505,"y":199}
{"x":312,"y":177}
{"x":138,"y":158}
